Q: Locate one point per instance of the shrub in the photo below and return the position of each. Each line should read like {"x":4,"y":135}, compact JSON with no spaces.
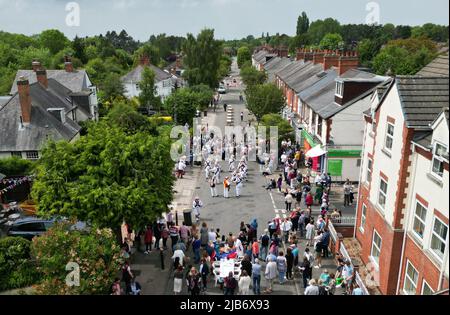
{"x":15,"y":166}
{"x":95,"y":252}
{"x":17,"y":270}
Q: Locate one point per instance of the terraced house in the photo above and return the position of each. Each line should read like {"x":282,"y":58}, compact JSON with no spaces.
{"x":403,"y":203}
{"x":326,"y":95}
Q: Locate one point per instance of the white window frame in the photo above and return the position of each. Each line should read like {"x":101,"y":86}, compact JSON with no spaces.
{"x":369,"y":170}
{"x":32,"y":155}
{"x":17,"y":154}
{"x":375,"y":259}
{"x":433,"y":251}
{"x":408,"y":263}
{"x":389,"y":135}
{"x":415,"y":216}
{"x":438,"y":158}
{"x":363,"y":218}
{"x":339,"y":89}
{"x":381,"y":192}
{"x":424,"y":283}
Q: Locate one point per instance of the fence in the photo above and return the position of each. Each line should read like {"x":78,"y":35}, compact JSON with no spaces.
{"x":344,"y":220}
{"x":340,"y":247}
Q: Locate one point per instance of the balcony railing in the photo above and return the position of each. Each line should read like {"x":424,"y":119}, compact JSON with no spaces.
{"x":344,"y":220}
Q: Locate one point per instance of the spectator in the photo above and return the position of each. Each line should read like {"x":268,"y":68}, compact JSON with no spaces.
{"x":178,"y":280}
{"x":281,"y":267}
{"x":230,"y":284}
{"x":312,"y":289}
{"x":256,"y":277}
{"x":289,"y":263}
{"x":193,"y":281}
{"x":244,"y":283}
{"x":270,"y":274}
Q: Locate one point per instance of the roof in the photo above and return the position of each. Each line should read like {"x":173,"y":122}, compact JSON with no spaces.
{"x":43,"y":124}
{"x":438,"y":67}
{"x":275,"y":65}
{"x":423,"y":138}
{"x":422,"y":99}
{"x":320,"y":96}
{"x":135,"y":75}
{"x":74,"y":81}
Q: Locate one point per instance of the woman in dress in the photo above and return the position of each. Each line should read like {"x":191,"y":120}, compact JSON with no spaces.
{"x":310,"y":228}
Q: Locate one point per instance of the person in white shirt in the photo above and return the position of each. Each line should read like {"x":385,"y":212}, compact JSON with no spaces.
{"x":180,"y":254}
{"x":270,"y":274}
{"x":239,"y":247}
{"x":212,"y":236}
{"x":286,"y":226}
{"x":244,"y":283}
{"x":288,"y":201}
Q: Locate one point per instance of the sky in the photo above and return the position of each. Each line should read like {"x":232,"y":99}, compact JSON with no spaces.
{"x":231,"y":19}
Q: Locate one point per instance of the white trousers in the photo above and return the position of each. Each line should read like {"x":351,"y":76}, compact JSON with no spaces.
{"x":238,"y":189}
{"x":225,"y":192}
{"x":213,"y":191}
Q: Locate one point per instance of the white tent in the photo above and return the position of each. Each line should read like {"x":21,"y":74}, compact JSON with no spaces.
{"x":316,"y":151}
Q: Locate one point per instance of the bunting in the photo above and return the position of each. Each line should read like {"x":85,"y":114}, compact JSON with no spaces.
{"x":13,"y":183}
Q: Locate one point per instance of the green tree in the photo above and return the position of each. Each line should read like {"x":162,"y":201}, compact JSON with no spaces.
{"x":302,"y":24}
{"x":53,"y":40}
{"x":331,"y":41}
{"x":182,"y":105}
{"x":112,"y":87}
{"x":243,"y":55}
{"x":404,"y":56}
{"x":204,"y":95}
{"x":285,"y":130}
{"x":250,"y":76}
{"x":318,"y":29}
{"x":106,"y":177}
{"x":148,"y":97}
{"x":128,"y":119}
{"x":79,"y":49}
{"x":264,"y":99}
{"x":16,"y":166}
{"x":96,"y":252}
{"x":225,"y":66}
{"x":202,"y":59}
{"x":17,"y":270}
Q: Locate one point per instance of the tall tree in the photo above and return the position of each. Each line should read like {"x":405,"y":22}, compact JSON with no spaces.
{"x":112,"y":87}
{"x":79,"y":49}
{"x":182,"y":105}
{"x":54,"y":40}
{"x":106,"y":177}
{"x":302,"y":24}
{"x":251,"y":76}
{"x":202,"y":59}
{"x":148,"y":97}
{"x":264,"y":99}
{"x":243,"y":55}
{"x":318,"y":29}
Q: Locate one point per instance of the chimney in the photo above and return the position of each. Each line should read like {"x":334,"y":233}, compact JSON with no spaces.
{"x":41,"y":75}
{"x":36,"y":65}
{"x":348,"y":61}
{"x":331,"y":59}
{"x":318,"y":57}
{"x":300,"y":54}
{"x":282,"y":51}
{"x":23,"y":87}
{"x":68,"y":64}
{"x":309,"y":55}
{"x":144,"y":60}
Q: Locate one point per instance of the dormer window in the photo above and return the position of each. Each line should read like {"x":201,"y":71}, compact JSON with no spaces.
{"x":340,"y":89}
{"x":58,"y":113}
{"x":439,"y":152}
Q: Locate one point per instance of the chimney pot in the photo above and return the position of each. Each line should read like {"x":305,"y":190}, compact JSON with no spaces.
{"x":23,"y":87}
{"x":36,"y":65}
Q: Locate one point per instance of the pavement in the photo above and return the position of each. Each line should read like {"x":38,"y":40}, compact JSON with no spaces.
{"x":226,"y":214}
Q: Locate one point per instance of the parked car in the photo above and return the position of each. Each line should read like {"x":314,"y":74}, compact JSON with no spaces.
{"x":29,"y":227}
{"x":222,"y":90}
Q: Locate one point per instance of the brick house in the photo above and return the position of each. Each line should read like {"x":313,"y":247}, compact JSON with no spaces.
{"x":402,"y":210}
